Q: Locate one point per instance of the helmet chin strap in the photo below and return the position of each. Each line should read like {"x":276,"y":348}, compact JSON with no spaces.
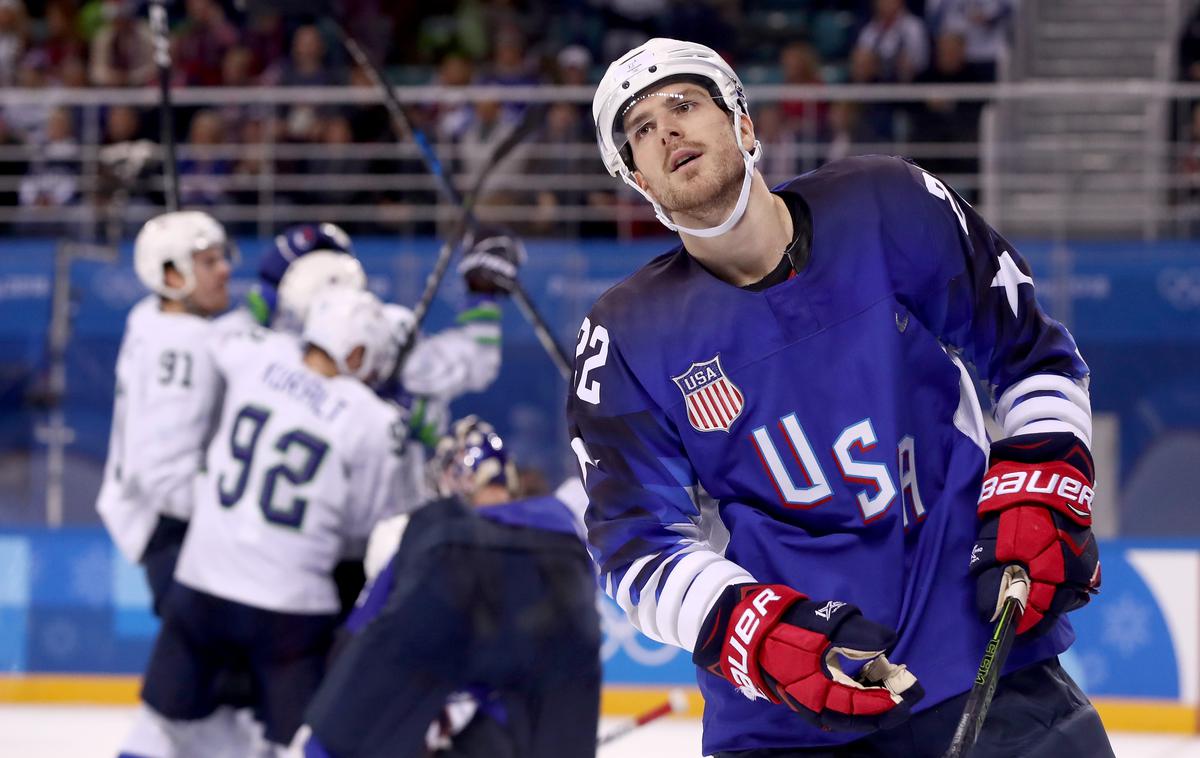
{"x":749,"y":158}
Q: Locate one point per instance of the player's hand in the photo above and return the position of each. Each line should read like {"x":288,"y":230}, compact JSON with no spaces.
{"x":1036,"y":511}
{"x":491,"y":264}
{"x":773,"y":642}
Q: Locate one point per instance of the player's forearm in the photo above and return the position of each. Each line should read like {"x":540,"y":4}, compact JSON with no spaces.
{"x":1046,"y":403}
{"x":674,"y":594}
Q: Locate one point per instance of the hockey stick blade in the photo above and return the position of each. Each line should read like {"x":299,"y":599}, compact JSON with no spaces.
{"x":979,"y":699}
{"x":676,"y":702}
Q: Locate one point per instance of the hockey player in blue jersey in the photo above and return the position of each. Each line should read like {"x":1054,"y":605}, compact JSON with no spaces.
{"x":488,"y":593}
{"x":786,"y":459}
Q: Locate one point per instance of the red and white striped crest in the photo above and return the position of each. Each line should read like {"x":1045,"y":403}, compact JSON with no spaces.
{"x":713,"y":402}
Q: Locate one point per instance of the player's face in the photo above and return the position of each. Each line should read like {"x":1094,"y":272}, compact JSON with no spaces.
{"x":684,"y":150}
{"x":211,"y":269}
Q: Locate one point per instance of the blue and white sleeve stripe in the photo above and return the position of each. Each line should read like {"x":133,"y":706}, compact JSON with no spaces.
{"x":1046,"y":403}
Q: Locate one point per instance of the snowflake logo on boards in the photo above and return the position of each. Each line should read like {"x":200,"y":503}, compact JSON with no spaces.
{"x":91,"y":577}
{"x":1126,"y":625}
{"x":827,"y":610}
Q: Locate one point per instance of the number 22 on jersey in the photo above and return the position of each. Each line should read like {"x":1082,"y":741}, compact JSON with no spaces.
{"x":296,"y":456}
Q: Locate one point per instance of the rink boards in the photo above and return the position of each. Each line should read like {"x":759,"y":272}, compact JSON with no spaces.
{"x":75,"y":626}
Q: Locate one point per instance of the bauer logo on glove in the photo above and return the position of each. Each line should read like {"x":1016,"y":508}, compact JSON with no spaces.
{"x":772,"y":642}
{"x":1035,"y":511}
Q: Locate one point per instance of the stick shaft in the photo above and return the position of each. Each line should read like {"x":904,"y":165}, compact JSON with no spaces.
{"x":988,"y":675}
{"x":637,"y":722}
{"x":542,"y":331}
{"x":162,"y":59}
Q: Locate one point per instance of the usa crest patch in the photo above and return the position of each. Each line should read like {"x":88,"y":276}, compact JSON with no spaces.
{"x":713,"y":402}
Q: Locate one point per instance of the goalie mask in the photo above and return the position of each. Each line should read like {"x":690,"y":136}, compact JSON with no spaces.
{"x":174,"y":238}
{"x":650,"y":66}
{"x":470,"y":457}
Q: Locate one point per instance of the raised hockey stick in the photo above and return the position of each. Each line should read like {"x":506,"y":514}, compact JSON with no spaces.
{"x":467,"y":221}
{"x":676,"y":702}
{"x":994,"y":656}
{"x":166,"y":114}
{"x":542,"y":331}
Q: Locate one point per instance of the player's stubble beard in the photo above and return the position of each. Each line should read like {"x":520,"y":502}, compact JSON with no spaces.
{"x":709,"y":193}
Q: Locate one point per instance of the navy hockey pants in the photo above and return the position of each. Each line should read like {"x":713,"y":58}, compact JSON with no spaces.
{"x":1038,"y":712}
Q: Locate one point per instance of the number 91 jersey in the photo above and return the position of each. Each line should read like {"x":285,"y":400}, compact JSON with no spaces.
{"x":823,"y":433}
{"x":299,"y":470}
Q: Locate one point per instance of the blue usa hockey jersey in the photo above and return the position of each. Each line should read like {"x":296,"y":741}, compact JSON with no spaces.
{"x":822,"y":433}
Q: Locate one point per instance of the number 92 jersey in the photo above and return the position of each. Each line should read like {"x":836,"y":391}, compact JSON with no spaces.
{"x":299,"y":470}
{"x":823,"y":433}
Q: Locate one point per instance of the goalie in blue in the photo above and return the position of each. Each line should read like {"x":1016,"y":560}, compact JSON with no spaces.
{"x":784,"y":451}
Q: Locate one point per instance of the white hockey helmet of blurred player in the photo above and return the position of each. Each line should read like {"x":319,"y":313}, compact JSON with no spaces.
{"x":307,"y":277}
{"x":624,"y":84}
{"x":341,"y":319}
{"x":173,"y":238}
{"x":401,"y":321}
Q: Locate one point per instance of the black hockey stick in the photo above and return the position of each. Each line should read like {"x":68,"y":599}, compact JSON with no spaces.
{"x":166,"y":115}
{"x":467,"y":221}
{"x":994,"y":657}
{"x":542,"y":331}
{"x":676,"y":702}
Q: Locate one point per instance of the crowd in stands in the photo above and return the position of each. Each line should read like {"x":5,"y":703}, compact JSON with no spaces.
{"x":49,"y":44}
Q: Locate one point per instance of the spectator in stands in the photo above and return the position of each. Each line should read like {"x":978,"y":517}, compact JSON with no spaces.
{"x":336,"y":157}
{"x":800,"y":64}
{"x":573,"y":66}
{"x":122,"y":53}
{"x":848,"y":134}
{"x":1189,"y":48}
{"x":128,"y":161}
{"x":29,"y":119}
{"x":559,"y":154}
{"x":14,"y":36}
{"x":204,"y":173}
{"x":509,"y":65}
{"x":200,"y":41}
{"x":59,"y":41}
{"x":237,"y":71}
{"x":264,"y":36}
{"x":985,"y":27}
{"x":452,"y":119}
{"x":307,"y":65}
{"x":12,"y":166}
{"x":951,"y":121}
{"x":892,"y":48}
{"x":53,"y":177}
{"x":491,"y":125}
{"x":782,"y":140}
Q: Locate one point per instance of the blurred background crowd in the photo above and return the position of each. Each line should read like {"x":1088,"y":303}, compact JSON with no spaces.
{"x":54,"y":44}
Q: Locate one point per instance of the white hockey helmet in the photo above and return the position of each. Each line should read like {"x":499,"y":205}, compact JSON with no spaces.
{"x":341,"y":319}
{"x":307,"y":277}
{"x":173,"y":238}
{"x":400,"y":322}
{"x":627,"y":78}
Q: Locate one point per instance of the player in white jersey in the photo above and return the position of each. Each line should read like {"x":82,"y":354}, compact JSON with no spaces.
{"x":303,"y":462}
{"x":163,"y":410}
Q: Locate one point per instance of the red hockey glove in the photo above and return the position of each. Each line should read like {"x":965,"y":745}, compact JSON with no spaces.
{"x":1036,"y":511}
{"x":772,"y":642}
